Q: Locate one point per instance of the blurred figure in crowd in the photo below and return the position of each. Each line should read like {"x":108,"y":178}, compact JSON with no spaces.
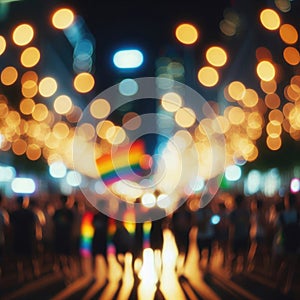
{"x":205,"y":233}
{"x":63,"y":219}
{"x":4,"y":223}
{"x":289,"y":223}
{"x":239,"y":232}
{"x":258,"y":234}
{"x":123,"y":243}
{"x":100,"y":237}
{"x":48,"y":234}
{"x":181,"y":224}
{"x":277,"y":244}
{"x":23,"y":222}
{"x":222,"y":232}
{"x":78,"y":210}
{"x":138,"y":238}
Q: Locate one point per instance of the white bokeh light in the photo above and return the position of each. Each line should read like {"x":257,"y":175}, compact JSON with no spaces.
{"x":58,"y":169}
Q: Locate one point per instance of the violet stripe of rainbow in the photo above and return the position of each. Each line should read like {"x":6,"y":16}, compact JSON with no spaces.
{"x":87,"y":233}
{"x":146,"y":233}
{"x":111,"y":231}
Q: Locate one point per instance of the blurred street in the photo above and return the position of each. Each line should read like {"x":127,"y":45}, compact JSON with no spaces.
{"x":193,"y":282}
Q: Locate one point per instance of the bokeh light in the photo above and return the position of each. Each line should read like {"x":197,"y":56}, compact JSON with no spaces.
{"x":47,"y":87}
{"x":185,"y":117}
{"x":270,"y":19}
{"x":131,"y":121}
{"x":30,"y":57}
{"x":291,"y":56}
{"x":216,"y":56}
{"x":171,"y":101}
{"x":2,"y":44}
{"x":236,"y":90}
{"x":100,"y":108}
{"x":27,"y":106}
{"x":23,"y":34}
{"x":288,"y":34}
{"x":128,"y":59}
{"x":186,"y":34}
{"x":62,"y":104}
{"x":62,"y":18}
{"x":265,"y":70}
{"x":128,"y":87}
{"x":84,"y":82}
{"x":9,"y":75}
{"x":208,"y":76}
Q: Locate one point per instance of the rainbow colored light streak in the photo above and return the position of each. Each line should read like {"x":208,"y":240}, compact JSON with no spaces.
{"x":129,"y":221}
{"x":111,"y":231}
{"x":124,"y":164}
{"x":87,"y":233}
{"x":146,"y":232}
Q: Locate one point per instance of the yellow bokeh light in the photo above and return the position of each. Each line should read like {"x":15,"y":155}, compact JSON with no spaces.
{"x":23,"y":34}
{"x":27,"y":106}
{"x":9,"y":75}
{"x":250,"y":98}
{"x":61,"y":130}
{"x":62,"y":18}
{"x":13,"y":119}
{"x":270,"y":19}
{"x":86,"y":131}
{"x":291,"y":56}
{"x":265,"y":70}
{"x":30,"y":57}
{"x":47,"y":87}
{"x":51,"y":141}
{"x":62,"y":104}
{"x":102,"y":128}
{"x":29,"y":89}
{"x":100,"y":108}
{"x":40,"y":112}
{"x":288,"y":34}
{"x":274,"y":129}
{"x":236,"y":116}
{"x":115,"y":135}
{"x":185,"y":117}
{"x":84,"y":82}
{"x":171,"y":101}
{"x":222,"y":125}
{"x":253,"y":155}
{"x":208,"y":76}
{"x":186,"y":34}
{"x":274,"y":143}
{"x":2,"y":44}
{"x":216,"y":56}
{"x":272,"y":101}
{"x":236,"y":90}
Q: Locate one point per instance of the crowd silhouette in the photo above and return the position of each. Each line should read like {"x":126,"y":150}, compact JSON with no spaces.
{"x":248,"y":232}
